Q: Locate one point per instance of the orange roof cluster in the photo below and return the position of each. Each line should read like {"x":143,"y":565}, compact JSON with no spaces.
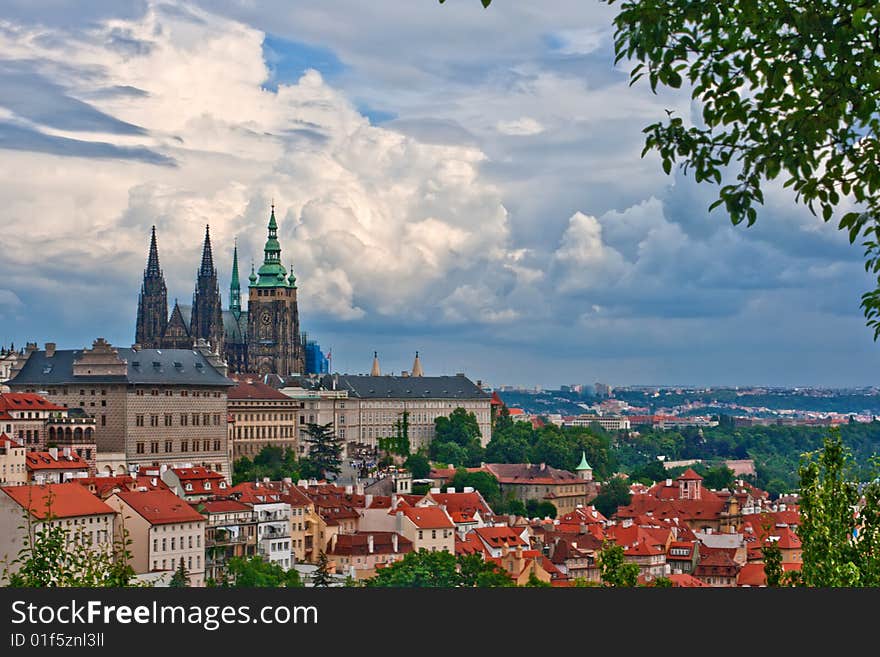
{"x":160,"y":507}
{"x":60,"y":500}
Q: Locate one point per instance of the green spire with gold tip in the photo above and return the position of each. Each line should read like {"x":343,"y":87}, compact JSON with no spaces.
{"x":253,"y":277}
{"x":272,"y":272}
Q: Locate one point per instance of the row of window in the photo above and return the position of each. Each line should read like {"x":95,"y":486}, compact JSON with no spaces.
{"x":264,"y":417}
{"x":263,"y":432}
{"x":185,"y":419}
{"x":173,"y":542}
{"x":140,"y":392}
{"x":140,"y":447}
{"x":189,"y":565}
{"x":446,"y":533}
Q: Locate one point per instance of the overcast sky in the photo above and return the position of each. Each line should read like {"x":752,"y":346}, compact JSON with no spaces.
{"x":458,"y":181}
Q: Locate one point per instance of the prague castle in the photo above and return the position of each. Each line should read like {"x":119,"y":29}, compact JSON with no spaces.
{"x":264,"y":339}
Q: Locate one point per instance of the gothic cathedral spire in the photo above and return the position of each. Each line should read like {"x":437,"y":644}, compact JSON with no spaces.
{"x":235,"y":285}
{"x":152,"y":315}
{"x":207,"y":312}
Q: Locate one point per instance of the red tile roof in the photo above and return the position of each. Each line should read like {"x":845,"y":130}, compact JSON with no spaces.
{"x":689,"y":475}
{"x":500,"y":536}
{"x":250,"y":387}
{"x":428,"y":517}
{"x":45,"y":461}
{"x":6,"y":441}
{"x":67,"y":500}
{"x":464,"y":503}
{"x":220,"y":506}
{"x":358,"y":544}
{"x":752,"y":574}
{"x":160,"y":507}
{"x":26,"y":401}
{"x":686,"y":580}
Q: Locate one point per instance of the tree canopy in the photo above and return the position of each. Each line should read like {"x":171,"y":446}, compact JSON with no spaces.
{"x":257,"y":572}
{"x":425,"y":569}
{"x":325,"y":449}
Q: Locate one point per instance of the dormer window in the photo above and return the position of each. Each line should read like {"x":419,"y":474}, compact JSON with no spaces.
{"x":188,"y":487}
{"x":207,"y":485}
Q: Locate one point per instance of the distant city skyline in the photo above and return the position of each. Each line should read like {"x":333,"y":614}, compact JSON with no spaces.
{"x":459,"y":182}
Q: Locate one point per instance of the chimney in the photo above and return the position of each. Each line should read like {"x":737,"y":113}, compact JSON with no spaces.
{"x":53,"y":452}
{"x":333,"y":543}
{"x":370,"y":544}
{"x":468,"y":489}
{"x":50,"y":349}
{"x":543,"y":467}
{"x":669,"y":482}
{"x":368,"y":500}
{"x":394,"y":542}
{"x":349,"y":490}
{"x":450,"y":489}
{"x":66,"y":452}
{"x":393,"y":500}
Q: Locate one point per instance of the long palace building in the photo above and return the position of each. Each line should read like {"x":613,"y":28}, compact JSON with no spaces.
{"x":264,"y":339}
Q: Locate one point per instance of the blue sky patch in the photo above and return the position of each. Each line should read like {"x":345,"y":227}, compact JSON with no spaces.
{"x":288,"y":60}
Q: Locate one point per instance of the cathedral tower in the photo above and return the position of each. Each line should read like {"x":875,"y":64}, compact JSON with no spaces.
{"x":273,"y":338}
{"x":207,"y":313}
{"x":152,"y":314}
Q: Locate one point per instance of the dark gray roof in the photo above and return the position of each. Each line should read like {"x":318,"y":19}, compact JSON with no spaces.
{"x":145,"y":366}
{"x":413,"y":387}
{"x":186,"y":312}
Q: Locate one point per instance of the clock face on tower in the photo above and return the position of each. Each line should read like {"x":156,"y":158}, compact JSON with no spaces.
{"x":266,"y":318}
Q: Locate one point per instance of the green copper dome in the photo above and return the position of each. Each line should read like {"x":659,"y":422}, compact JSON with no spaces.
{"x":272,"y":273}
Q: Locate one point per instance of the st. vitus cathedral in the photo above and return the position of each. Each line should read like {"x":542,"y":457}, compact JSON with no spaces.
{"x":264,"y":339}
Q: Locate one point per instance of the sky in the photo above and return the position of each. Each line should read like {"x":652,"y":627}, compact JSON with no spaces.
{"x":463,"y":182}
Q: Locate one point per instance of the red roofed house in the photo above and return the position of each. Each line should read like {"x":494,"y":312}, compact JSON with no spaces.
{"x":194,"y":483}
{"x":358,"y":554}
{"x":686,"y":580}
{"x":54,"y":466}
{"x":164,"y":530}
{"x":12,"y":468}
{"x":89,"y":519}
{"x":105,"y":485}
{"x":498,"y":540}
{"x":429,"y":528}
{"x":525,"y":481}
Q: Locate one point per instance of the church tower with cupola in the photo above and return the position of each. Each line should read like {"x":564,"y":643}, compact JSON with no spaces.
{"x":273,"y":337}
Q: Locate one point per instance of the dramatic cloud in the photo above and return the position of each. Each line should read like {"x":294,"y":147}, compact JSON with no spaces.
{"x":463,"y":182}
